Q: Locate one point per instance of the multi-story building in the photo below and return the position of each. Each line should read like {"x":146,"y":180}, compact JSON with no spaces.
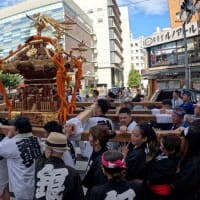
{"x":16,"y":27}
{"x":174,"y":9}
{"x":107,"y":26}
{"x":166,"y":58}
{"x":125,"y":43}
{"x":138,"y":56}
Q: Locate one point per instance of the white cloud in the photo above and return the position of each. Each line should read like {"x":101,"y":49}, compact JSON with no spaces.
{"x":148,"y":7}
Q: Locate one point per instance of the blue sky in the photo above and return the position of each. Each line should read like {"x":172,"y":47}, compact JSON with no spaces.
{"x":5,"y":3}
{"x":146,"y":15}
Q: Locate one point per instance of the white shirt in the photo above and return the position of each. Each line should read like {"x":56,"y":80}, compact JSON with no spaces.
{"x":3,"y":173}
{"x":21,"y":152}
{"x":131,"y":126}
{"x":67,"y":158}
{"x":176,"y":102}
{"x":92,"y":121}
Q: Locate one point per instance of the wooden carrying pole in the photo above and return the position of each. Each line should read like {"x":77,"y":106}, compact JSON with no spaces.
{"x":117,"y":104}
{"x":85,"y":115}
{"x":125,"y":137}
{"x":115,"y":117}
{"x":39,"y":132}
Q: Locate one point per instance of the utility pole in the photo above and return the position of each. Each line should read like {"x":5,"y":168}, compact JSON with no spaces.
{"x":187,"y":67}
{"x":186,"y":12}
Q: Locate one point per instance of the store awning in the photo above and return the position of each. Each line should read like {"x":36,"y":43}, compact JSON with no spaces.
{"x":152,"y":74}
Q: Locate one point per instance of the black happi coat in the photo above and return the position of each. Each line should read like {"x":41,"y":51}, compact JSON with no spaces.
{"x":57,"y":181}
{"x":113,"y":190}
{"x":135,"y":162}
{"x":161,"y":169}
{"x":94,"y":175}
{"x":186,"y":184}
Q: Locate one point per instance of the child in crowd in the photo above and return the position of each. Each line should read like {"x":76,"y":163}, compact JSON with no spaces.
{"x":162,"y":168}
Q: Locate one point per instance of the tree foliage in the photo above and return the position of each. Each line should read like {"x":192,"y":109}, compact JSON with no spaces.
{"x":134,"y":78}
{"x":10,"y":80}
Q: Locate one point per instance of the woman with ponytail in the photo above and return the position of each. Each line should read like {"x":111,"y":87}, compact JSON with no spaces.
{"x":143,"y":144}
{"x":98,"y":138}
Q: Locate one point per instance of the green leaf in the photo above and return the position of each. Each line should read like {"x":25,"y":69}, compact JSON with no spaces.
{"x":134,"y":78}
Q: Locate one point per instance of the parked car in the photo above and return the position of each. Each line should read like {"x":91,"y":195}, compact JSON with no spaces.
{"x":162,"y":94}
{"x":115,"y":90}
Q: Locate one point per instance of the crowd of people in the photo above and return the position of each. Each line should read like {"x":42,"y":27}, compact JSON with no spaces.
{"x":145,"y":168}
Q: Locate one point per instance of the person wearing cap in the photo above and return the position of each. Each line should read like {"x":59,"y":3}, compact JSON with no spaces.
{"x":187,"y":105}
{"x":186,"y":183}
{"x":114,"y":167}
{"x":176,"y":100}
{"x":191,"y":118}
{"x":55,"y":180}
{"x":178,"y":119}
{"x":69,"y":156}
{"x":21,"y":149}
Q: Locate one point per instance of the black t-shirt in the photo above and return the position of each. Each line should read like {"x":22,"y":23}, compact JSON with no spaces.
{"x":55,"y":180}
{"x":113,"y":190}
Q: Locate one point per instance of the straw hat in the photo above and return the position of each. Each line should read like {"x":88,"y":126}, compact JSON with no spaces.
{"x":57,"y":141}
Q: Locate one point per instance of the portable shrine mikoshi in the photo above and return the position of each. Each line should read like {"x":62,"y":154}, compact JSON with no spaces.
{"x":44,"y":64}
